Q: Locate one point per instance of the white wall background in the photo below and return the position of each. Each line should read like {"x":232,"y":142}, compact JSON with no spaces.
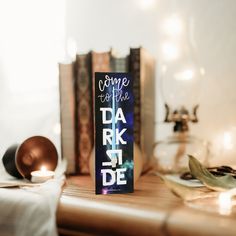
{"x":32,"y":35}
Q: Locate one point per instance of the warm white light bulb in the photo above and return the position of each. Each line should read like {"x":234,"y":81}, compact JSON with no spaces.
{"x":202,"y":71}
{"x":225,"y":203}
{"x":227,"y":140}
{"x":170,"y":51}
{"x":173,"y":26}
{"x":147,"y":4}
{"x":186,"y":74}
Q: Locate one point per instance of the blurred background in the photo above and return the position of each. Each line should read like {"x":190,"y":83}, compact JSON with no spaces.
{"x":36,"y":35}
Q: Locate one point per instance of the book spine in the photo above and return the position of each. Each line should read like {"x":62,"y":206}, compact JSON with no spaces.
{"x":134,"y":68}
{"x":84,"y":116}
{"x":101,"y":62}
{"x":142,"y":68}
{"x":67,"y":115}
{"x":147,"y":104}
{"x":119,"y":64}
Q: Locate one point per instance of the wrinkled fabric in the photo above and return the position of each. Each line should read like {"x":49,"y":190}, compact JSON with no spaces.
{"x":29,"y":211}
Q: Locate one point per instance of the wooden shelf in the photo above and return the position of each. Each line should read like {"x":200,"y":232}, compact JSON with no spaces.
{"x":151,"y":210}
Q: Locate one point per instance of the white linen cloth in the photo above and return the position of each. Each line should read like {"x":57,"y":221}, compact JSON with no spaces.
{"x":30,"y":211}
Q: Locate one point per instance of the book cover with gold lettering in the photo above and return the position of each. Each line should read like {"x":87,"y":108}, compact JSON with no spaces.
{"x":114,"y":132}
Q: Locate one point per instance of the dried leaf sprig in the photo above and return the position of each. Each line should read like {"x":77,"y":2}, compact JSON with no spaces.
{"x":221,"y":183}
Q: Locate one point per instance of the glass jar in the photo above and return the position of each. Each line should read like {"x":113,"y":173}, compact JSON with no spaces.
{"x":172,"y":153}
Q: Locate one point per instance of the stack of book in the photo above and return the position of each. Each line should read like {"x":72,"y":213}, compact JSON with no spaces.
{"x":76,"y":103}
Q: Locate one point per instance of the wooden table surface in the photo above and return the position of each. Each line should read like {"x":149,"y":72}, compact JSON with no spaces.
{"x":151,"y":210}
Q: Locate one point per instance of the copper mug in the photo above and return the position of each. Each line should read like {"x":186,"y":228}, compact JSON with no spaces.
{"x":35,"y":152}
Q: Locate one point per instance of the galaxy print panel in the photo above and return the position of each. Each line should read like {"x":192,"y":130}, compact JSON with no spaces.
{"x":114,"y":103}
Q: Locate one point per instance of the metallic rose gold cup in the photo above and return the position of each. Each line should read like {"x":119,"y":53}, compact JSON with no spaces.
{"x":35,"y":152}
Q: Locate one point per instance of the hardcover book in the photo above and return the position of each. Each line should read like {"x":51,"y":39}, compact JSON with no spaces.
{"x":142,"y":69}
{"x":119,"y":64}
{"x":67,"y":114}
{"x":114,"y":133}
{"x":84,"y":114}
{"x":86,"y":65}
{"x":100,"y":62}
